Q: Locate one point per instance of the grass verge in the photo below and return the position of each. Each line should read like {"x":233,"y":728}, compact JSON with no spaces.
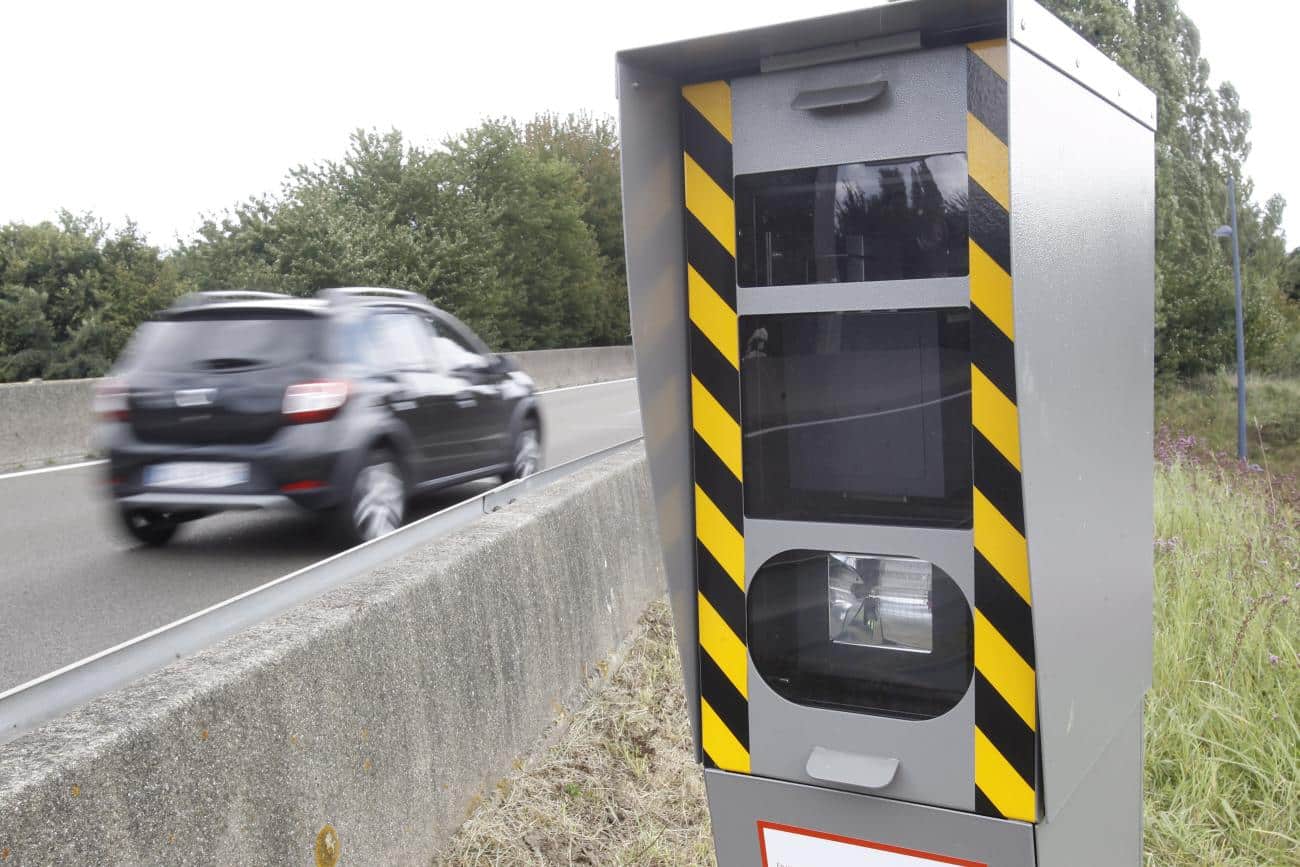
{"x":1223,"y":715}
{"x":1222,"y":718}
{"x":619,"y":787}
{"x":1207,"y":406}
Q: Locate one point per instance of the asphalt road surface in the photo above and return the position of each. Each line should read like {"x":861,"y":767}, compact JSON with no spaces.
{"x":71,"y":584}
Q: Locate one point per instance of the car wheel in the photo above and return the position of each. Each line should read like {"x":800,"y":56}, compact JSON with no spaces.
{"x":377,"y":505}
{"x":154,"y":529}
{"x":527,"y":458}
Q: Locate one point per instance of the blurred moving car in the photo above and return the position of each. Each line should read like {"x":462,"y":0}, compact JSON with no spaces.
{"x":344,"y":404}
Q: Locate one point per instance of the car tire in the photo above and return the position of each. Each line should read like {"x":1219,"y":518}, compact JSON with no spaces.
{"x":376,"y":505}
{"x":152,"y":528}
{"x":526,"y":454}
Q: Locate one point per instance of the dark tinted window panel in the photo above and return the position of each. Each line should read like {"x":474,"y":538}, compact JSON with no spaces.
{"x":226,"y":340}
{"x":858,"y":417}
{"x":855,"y":222}
{"x":889,"y":636}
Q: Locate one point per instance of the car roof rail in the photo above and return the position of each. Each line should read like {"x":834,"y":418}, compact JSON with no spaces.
{"x":353,"y":293}
{"x":196,"y":299}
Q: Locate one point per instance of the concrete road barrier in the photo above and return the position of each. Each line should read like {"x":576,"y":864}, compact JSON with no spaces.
{"x":378,"y":710}
{"x":558,"y":368}
{"x":45,"y":422}
{"x":51,"y":422}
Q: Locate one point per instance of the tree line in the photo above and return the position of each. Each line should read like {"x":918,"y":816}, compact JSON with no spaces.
{"x":1202,"y":139}
{"x":517,"y":228}
{"x":514,"y":227}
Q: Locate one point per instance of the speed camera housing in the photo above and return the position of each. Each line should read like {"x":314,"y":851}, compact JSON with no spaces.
{"x":891,"y":281}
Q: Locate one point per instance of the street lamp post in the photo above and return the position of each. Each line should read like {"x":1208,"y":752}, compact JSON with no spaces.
{"x":1225,"y":232}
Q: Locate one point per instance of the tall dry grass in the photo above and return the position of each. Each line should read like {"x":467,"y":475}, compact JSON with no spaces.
{"x":1223,"y":715}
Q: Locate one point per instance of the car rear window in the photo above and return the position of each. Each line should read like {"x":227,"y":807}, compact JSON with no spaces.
{"x":227,"y":340}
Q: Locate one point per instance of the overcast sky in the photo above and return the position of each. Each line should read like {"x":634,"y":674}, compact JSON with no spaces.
{"x":161,"y":111}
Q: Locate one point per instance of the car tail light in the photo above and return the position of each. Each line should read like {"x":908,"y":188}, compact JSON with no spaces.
{"x":304,"y":485}
{"x":111,"y":400}
{"x":309,"y":402}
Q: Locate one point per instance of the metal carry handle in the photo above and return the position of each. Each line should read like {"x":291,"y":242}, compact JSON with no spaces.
{"x":851,"y":769}
{"x":840,"y":97}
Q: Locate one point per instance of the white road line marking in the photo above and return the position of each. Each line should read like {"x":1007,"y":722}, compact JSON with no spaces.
{"x":21,"y":473}
{"x":76,"y":466}
{"x":588,"y":385}
{"x":267,"y":585}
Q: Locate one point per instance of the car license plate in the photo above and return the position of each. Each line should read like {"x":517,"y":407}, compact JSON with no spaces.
{"x":196,"y":474}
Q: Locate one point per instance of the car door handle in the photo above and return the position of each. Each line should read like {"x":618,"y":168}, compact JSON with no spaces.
{"x":401,"y":401}
{"x":466,"y":399}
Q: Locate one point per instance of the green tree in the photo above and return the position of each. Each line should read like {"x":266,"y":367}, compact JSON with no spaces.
{"x":516,"y":229}
{"x":1202,"y":138}
{"x":384,"y":215}
{"x":548,"y":258}
{"x":234,"y":251}
{"x":26,"y":336}
{"x":590,"y":145}
{"x":72,"y":292}
{"x":59,"y":261}
{"x":1291,"y":280}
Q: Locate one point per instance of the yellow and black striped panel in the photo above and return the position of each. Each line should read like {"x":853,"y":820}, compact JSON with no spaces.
{"x":1006,"y":767}
{"x":715,"y":419}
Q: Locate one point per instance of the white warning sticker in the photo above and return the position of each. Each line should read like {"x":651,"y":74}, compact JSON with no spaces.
{"x":784,"y":846}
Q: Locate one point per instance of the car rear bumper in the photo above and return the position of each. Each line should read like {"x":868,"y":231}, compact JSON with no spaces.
{"x":205,"y":502}
{"x":308,"y":466}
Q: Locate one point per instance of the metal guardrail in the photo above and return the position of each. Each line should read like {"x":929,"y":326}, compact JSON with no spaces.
{"x":29,"y":705}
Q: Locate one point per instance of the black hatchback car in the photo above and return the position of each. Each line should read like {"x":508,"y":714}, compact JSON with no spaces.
{"x":344,"y":404}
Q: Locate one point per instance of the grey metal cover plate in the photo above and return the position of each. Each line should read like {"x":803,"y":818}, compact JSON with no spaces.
{"x":656,"y":273}
{"x":738,"y":803}
{"x":1082,"y":240}
{"x":923,"y":112}
{"x":936,"y":759}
